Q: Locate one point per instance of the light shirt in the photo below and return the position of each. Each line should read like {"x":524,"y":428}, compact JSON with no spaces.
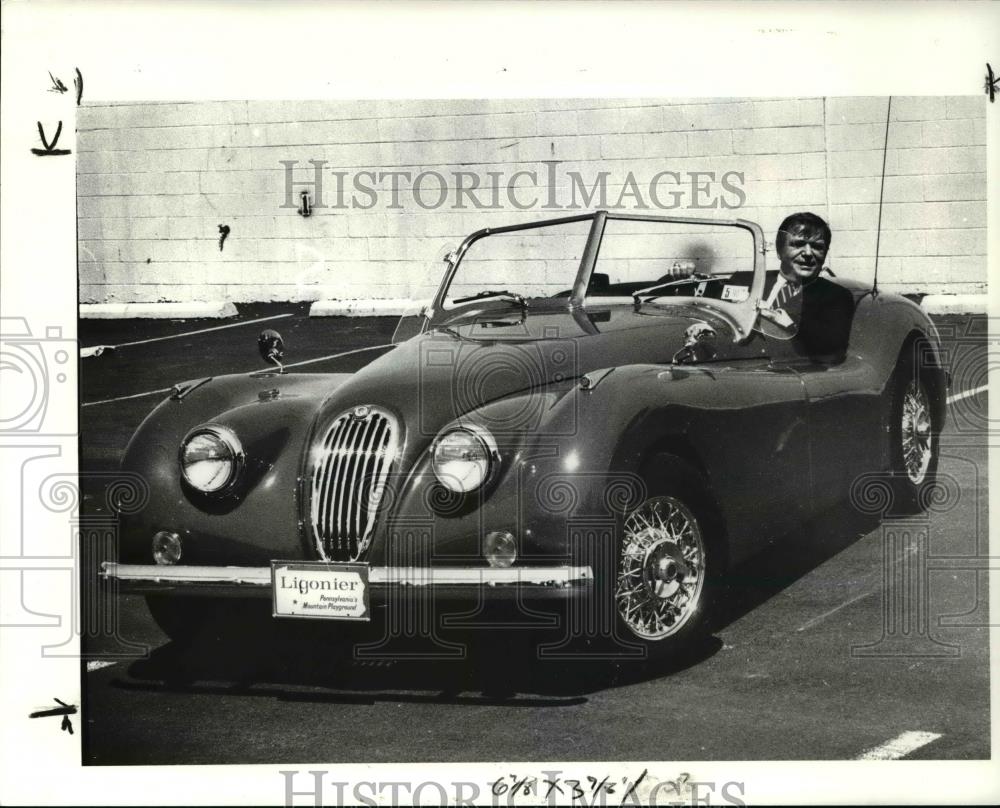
{"x":780,"y":284}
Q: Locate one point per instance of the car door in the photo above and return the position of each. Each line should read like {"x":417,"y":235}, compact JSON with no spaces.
{"x":843,"y":411}
{"x":748,"y":420}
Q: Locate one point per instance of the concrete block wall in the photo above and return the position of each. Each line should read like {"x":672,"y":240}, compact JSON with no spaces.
{"x":155,"y":180}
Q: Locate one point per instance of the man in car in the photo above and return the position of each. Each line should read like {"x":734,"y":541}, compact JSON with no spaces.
{"x":814,"y":310}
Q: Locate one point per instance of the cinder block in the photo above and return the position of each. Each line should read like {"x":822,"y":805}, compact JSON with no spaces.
{"x":956,"y":242}
{"x":666,"y":146}
{"x":918,"y":108}
{"x":856,"y":110}
{"x":788,"y":112}
{"x":803,"y":194}
{"x":813,"y":165}
{"x":955,"y":160}
{"x":641,"y":119}
{"x":902,"y":243}
{"x":599,"y":121}
{"x":966,"y":106}
{"x":954,"y":187}
{"x":622,"y":146}
{"x":865,"y":163}
{"x":776,"y":167}
{"x":784,"y":140}
{"x":557,"y":122}
{"x":903,"y":189}
{"x":969,"y":268}
{"x":854,"y":190}
{"x":948,"y":133}
{"x":709,"y":143}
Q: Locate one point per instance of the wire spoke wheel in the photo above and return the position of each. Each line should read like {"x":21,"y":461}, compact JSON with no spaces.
{"x":661,"y":568}
{"x":915,"y":432}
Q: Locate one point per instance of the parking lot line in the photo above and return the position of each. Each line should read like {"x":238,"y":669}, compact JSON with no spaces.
{"x":820,"y":618}
{"x":900,"y":746}
{"x":968,"y":393}
{"x":126,"y":398}
{"x":292,"y":365}
{"x":337,"y":355}
{"x":96,"y":350}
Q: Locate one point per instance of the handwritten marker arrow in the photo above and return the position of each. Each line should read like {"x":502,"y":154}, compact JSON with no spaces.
{"x":65,"y":710}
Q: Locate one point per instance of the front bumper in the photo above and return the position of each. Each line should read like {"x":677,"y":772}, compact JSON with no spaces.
{"x":528,"y":583}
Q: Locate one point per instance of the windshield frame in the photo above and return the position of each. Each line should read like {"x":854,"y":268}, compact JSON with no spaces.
{"x":740,"y":315}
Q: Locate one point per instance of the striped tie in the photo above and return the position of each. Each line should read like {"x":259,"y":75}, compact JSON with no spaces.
{"x":789,"y":300}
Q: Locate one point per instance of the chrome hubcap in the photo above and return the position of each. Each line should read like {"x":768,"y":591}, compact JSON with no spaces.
{"x":916,"y":433}
{"x":662,"y":568}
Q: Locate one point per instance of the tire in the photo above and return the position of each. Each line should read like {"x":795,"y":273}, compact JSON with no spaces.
{"x":913,"y":438}
{"x":669,"y":561}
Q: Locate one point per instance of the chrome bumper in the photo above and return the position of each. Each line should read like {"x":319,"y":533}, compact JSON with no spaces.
{"x":256,"y":581}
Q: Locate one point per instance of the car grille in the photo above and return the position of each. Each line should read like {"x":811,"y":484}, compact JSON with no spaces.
{"x":347,"y":475}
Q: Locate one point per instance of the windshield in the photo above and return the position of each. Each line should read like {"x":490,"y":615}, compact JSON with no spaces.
{"x":658,"y":259}
{"x":531,"y":263}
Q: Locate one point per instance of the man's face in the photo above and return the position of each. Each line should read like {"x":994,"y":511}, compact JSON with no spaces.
{"x":803,"y":255}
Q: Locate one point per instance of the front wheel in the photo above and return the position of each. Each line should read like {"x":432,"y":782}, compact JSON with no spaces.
{"x":668,"y":561}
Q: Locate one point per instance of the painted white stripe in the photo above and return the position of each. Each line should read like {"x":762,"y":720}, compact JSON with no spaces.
{"x":336,"y":355}
{"x":292,"y":365}
{"x":835,"y":609}
{"x":126,"y":398}
{"x":968,"y":393}
{"x":900,"y":746}
{"x":97,"y":350}
{"x":97,"y":664}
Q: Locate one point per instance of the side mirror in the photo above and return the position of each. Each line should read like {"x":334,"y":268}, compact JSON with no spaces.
{"x":699,"y":345}
{"x":271,"y":347}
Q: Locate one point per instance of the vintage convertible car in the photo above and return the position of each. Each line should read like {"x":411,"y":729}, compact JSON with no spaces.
{"x":594,"y":414}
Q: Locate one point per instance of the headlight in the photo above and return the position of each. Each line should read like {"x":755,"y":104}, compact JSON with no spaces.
{"x":464,"y":457}
{"x":211,"y":459}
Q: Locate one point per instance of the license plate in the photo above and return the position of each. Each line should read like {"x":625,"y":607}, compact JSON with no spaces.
{"x":320,"y":590}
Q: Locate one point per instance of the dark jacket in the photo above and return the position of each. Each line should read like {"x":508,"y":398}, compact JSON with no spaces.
{"x":824,"y":313}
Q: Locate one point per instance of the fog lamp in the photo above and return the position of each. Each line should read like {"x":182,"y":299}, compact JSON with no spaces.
{"x":500,"y":548}
{"x":166,"y":547}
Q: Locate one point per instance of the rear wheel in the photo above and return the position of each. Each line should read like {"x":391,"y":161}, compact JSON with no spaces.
{"x":913,"y":439}
{"x":668,"y":560}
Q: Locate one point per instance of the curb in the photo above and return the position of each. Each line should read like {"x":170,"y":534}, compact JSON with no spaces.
{"x":395,"y":307}
{"x":364,"y":308}
{"x":156,"y":311}
{"x":955,"y":304}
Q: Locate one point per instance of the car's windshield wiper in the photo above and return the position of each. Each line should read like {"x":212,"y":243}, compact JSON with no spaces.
{"x":509,"y":297}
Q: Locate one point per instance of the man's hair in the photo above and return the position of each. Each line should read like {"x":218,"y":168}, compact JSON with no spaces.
{"x":809,"y":221}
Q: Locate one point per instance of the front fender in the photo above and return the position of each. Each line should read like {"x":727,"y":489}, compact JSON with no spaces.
{"x":258,"y":521}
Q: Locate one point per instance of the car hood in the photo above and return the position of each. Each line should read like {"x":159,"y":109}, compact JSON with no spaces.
{"x":444,"y":374}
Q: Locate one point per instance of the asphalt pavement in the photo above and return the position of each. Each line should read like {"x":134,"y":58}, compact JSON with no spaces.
{"x":808,"y":660}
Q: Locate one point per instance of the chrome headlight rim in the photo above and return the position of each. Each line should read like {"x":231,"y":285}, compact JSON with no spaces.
{"x":486,"y":440}
{"x":233,"y":444}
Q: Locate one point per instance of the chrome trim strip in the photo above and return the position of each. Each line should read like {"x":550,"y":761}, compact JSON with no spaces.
{"x":260,"y":577}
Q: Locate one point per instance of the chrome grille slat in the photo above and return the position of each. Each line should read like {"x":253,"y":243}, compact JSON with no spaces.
{"x":359,"y":503}
{"x":378,"y":476}
{"x":365,"y":505}
{"x":322,"y":476}
{"x":346,"y":477}
{"x":344,"y":455}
